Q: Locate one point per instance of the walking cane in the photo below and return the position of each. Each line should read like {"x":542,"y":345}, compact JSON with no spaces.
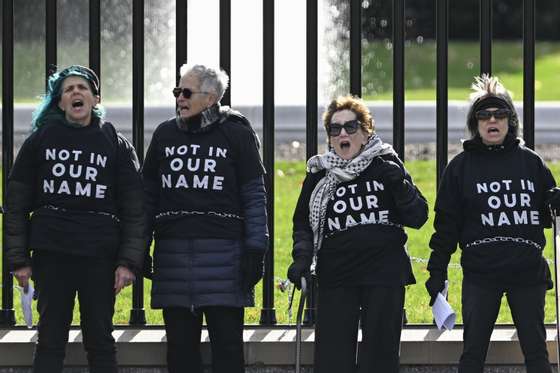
{"x":556,"y":223}
{"x":298,"y":323}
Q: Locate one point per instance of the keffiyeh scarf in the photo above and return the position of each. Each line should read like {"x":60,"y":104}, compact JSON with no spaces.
{"x":338,"y":170}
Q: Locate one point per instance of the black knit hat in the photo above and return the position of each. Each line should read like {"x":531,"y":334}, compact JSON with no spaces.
{"x":489,"y":93}
{"x":76,"y":70}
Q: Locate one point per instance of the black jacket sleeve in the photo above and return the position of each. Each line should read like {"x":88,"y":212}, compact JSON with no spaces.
{"x":302,"y":234}
{"x":19,"y":204}
{"x":448,"y":221}
{"x":131,"y":208}
{"x":548,"y":183}
{"x":409,"y":201}
{"x":151,"y":188}
{"x":253,"y":199}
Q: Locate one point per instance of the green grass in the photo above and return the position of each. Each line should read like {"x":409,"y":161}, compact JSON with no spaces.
{"x":288,"y":179}
{"x":463,"y":64}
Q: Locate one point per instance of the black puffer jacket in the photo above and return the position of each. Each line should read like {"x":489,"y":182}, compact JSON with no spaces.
{"x":207,"y":208}
{"x":84,"y":190}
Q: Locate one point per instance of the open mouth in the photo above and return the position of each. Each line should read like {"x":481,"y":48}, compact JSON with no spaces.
{"x":344,"y":145}
{"x":77,"y":103}
{"x":493,"y":130}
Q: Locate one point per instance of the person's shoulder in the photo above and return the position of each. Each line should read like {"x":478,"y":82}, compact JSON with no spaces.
{"x":234,"y":120}
{"x":47,"y":129}
{"x":528,"y":152}
{"x":457,"y":159}
{"x":167,"y":125}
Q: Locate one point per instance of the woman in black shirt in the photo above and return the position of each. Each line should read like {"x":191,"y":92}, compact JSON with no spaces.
{"x":493,"y":201}
{"x":349,"y":224}
{"x":74,"y":199}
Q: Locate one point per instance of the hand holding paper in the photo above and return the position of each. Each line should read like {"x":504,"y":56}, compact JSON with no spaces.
{"x":26,"y":301}
{"x":444,"y":315}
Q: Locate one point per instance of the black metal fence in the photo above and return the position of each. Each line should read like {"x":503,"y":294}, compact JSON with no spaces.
{"x":268,"y":316}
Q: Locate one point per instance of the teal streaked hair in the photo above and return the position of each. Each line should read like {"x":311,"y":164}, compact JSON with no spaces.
{"x":48,"y":108}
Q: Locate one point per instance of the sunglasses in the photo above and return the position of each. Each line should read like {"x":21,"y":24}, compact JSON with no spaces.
{"x":187,"y":92}
{"x":350,"y":127}
{"x":487,"y":114}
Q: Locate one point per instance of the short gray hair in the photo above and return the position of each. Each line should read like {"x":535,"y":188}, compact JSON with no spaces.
{"x":212,"y":78}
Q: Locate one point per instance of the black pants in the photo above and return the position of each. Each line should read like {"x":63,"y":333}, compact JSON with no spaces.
{"x":225,"y":328}
{"x":480,"y":310}
{"x":58,"y":277}
{"x":338,"y":313}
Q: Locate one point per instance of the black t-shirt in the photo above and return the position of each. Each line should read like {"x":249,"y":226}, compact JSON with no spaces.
{"x":197,"y":178}
{"x":72,"y":172}
{"x":364,"y":238}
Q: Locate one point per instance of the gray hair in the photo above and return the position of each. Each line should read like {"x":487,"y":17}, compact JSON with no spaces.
{"x":212,"y":78}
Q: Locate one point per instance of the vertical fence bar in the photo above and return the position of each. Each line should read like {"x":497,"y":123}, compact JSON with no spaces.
{"x":268,"y":313}
{"x":50,"y":38}
{"x":311,"y":106}
{"x":95,"y":36}
{"x":356,"y":47}
{"x":486,"y":37}
{"x":442,"y":36}
{"x":137,"y":313}
{"x":181,"y":23}
{"x":529,"y":73}
{"x":7,"y":315}
{"x":398,"y":77}
{"x":225,"y":45}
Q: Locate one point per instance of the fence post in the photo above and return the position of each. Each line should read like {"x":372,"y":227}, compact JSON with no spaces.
{"x":225,"y":45}
{"x":311,"y":106}
{"x":7,"y":316}
{"x":181,"y":32}
{"x":529,"y":73}
{"x":95,"y":36}
{"x":356,"y":47}
{"x":268,"y":313}
{"x":442,"y":36}
{"x":398,"y":77}
{"x":486,"y":37}
{"x":137,"y":313}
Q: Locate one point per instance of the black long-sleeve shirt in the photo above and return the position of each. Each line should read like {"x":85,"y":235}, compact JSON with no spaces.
{"x":491,"y":202}
{"x":364,"y":238}
{"x":193,"y":181}
{"x":75,"y":190}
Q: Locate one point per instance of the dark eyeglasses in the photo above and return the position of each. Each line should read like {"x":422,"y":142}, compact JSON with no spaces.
{"x":487,"y":114}
{"x":187,"y":92}
{"x":350,"y":127}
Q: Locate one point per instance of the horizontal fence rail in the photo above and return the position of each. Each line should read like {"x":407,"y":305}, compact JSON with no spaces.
{"x":265,"y":117}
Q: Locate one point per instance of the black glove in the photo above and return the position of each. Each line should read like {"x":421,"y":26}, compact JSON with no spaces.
{"x":434,"y":285}
{"x":148,"y":270}
{"x":252,"y":268}
{"x":552,"y":199}
{"x":390,"y":172}
{"x":298,"y":269}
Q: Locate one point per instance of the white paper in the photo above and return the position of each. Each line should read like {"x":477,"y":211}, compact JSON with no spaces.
{"x":444,"y":315}
{"x":26,"y":302}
